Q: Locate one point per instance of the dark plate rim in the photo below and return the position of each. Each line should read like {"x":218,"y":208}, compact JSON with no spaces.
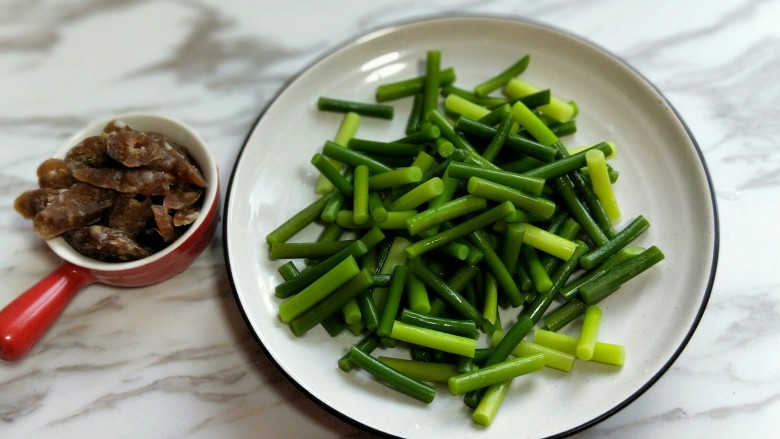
{"x":512,"y":19}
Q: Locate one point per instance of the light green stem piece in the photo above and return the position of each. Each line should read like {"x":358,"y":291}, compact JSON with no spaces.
{"x":488,"y":406}
{"x":360,"y":195}
{"x":424,"y":161}
{"x":558,"y":109}
{"x":513,"y":240}
{"x":376,"y":207}
{"x":495,"y":373}
{"x":552,"y":358}
{"x":445,"y":212}
{"x":351,"y":312}
{"x":533,"y":124}
{"x":443,"y":147}
{"x":395,"y":178}
{"x":606,"y":353}
{"x":500,"y":193}
{"x":430,"y":338}
{"x":547,"y":242}
{"x":417,"y":196}
{"x":602,"y":186}
{"x":459,"y":105}
{"x":319,"y":289}
{"x":490,"y":306}
{"x":590,"y":331}
{"x":419,"y":301}
{"x":347,"y":129}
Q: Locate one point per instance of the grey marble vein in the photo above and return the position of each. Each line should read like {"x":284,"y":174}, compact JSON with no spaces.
{"x":731,"y":16}
{"x":197,"y":386}
{"x":204,"y":54}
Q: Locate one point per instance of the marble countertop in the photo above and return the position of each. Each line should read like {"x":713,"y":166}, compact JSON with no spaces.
{"x":175,"y":359}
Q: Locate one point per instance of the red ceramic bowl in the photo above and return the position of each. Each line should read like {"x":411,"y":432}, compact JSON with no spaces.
{"x":24,"y":321}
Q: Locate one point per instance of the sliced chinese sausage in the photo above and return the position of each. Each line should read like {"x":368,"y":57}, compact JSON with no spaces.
{"x":90,"y":152}
{"x":106,"y":244}
{"x":115,"y":126}
{"x":81,"y":205}
{"x":100,"y":196}
{"x":132,"y":181}
{"x":180,"y":197}
{"x":185,"y":216}
{"x":130,"y":215}
{"x":176,"y":160}
{"x":55,"y":174}
{"x":29,"y":203}
{"x":133,"y":148}
{"x":164,"y":223}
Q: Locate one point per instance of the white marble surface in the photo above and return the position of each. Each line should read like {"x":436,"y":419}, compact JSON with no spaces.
{"x":176,"y":360}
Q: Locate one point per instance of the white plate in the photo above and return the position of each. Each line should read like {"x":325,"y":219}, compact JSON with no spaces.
{"x":663,"y":177}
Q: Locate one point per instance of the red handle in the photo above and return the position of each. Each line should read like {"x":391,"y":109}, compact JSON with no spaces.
{"x":24,"y":321}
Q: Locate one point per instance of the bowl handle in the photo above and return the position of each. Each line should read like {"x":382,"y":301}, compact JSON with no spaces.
{"x":24,"y":321}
